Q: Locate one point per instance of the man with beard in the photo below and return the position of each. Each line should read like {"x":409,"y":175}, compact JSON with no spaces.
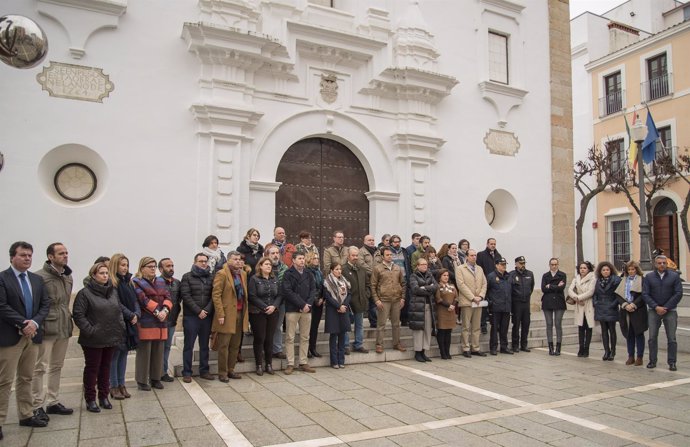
{"x":195,"y":292}
{"x":486,"y":259}
{"x":57,"y":330}
{"x":230,"y":298}
{"x":359,"y":282}
{"x":366,"y":260}
{"x":402,"y":260}
{"x":166,"y":267}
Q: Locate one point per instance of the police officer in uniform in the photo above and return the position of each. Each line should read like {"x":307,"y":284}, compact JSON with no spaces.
{"x":522,"y":285}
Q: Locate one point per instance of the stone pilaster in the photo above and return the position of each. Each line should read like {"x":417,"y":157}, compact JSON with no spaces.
{"x":562,"y":192}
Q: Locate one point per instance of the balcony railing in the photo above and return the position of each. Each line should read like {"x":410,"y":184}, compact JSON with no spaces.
{"x":657,"y":87}
{"x":611,"y":103}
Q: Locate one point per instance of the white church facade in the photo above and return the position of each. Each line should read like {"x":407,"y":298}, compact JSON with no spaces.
{"x":152,"y":124}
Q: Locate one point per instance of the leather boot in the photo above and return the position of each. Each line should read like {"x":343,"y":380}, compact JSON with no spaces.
{"x":558,"y":349}
{"x":612,"y":354}
{"x":269,"y":369}
{"x":551,"y":351}
{"x":581,"y":341}
{"x":418,"y":356}
{"x":588,"y":340}
{"x":116,"y":394}
{"x":124,"y":392}
{"x":638,"y":361}
{"x":259,"y":370}
{"x":630,"y":360}
{"x":426,"y":358}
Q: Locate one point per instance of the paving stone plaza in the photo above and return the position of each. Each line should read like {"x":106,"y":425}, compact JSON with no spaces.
{"x":528,"y":399}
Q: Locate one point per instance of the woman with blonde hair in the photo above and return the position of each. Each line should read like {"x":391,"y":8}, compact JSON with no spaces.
{"x":580,"y":294}
{"x":154,"y":299}
{"x":251,"y":249}
{"x":121,"y":278}
{"x":633,"y":312}
{"x":97,"y":314}
{"x":264,"y":304}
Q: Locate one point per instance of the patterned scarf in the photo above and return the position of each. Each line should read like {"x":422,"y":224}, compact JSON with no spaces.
{"x":337,"y":287}
{"x":214,"y":257}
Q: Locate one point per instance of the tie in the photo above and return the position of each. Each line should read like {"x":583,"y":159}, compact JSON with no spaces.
{"x":28,"y":299}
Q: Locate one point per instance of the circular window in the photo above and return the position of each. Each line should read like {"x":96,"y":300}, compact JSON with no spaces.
{"x":489,"y":212}
{"x":73,"y":175}
{"x":75,"y":182}
{"x":501,"y":210}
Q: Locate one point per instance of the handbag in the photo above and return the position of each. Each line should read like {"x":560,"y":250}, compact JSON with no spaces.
{"x":213,"y":341}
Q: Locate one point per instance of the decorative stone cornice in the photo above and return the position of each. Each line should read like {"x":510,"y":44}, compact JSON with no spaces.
{"x":225,"y":121}
{"x":383,"y":195}
{"x":112,"y":7}
{"x":237,"y":13}
{"x":249,"y":50}
{"x":258,"y":185}
{"x":411,"y":83}
{"x":334,"y":47}
{"x":101,"y":14}
{"x":417,"y":146}
{"x":513,"y":9}
{"x":503,"y":97}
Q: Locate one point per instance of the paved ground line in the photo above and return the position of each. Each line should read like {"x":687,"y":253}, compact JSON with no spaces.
{"x":522,"y":407}
{"x":219,"y":421}
{"x":542,"y":408}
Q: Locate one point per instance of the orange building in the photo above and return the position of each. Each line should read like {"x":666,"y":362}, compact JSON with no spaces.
{"x":652,"y":71}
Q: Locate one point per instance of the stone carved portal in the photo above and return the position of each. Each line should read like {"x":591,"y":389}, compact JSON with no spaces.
{"x":322,"y":190}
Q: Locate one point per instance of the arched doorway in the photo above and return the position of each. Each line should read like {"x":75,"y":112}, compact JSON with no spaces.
{"x":322,"y":190}
{"x":666,"y":227}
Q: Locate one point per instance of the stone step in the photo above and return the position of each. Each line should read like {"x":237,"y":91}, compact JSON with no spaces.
{"x":388,"y":355}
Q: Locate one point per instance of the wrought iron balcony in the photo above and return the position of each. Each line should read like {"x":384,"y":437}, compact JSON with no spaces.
{"x":656,"y":88}
{"x":611,"y":103}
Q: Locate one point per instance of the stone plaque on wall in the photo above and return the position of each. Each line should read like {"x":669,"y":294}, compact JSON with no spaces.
{"x":500,"y":142}
{"x":75,"y":82}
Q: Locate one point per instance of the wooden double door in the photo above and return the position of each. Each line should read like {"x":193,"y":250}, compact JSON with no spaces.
{"x":323,"y":189}
{"x":665,"y":227}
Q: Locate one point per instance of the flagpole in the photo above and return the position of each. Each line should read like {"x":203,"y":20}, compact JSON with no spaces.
{"x":645,"y":231}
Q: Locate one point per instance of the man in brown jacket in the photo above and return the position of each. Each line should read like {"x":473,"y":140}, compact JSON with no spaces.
{"x":388,"y":293}
{"x":335,"y":253}
{"x":231,"y":317}
{"x":57,"y":330}
{"x":472,"y":290}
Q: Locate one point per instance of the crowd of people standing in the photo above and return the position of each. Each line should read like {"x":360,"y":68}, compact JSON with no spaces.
{"x":224,"y":294}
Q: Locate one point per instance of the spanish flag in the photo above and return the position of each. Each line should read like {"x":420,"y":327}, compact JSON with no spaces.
{"x":632,"y":147}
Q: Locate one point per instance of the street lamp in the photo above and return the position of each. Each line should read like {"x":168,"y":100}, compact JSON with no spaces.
{"x":638,"y":134}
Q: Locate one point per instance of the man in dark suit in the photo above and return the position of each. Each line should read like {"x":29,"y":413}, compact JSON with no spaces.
{"x":24,"y":304}
{"x":486,"y":259}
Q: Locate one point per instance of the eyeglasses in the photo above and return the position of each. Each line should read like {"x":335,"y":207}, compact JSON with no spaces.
{"x":153,"y":266}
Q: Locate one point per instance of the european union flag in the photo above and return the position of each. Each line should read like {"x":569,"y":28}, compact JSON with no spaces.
{"x":649,"y":145}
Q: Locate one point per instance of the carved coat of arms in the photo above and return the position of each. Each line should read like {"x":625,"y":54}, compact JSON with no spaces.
{"x":329,"y":88}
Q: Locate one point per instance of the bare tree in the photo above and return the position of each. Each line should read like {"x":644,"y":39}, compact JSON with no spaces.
{"x":592,"y":175}
{"x":682,"y":168}
{"x":657,"y":175}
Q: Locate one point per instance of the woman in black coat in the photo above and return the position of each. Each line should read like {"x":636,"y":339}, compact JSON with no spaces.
{"x":264,"y":308}
{"x":97,"y":314}
{"x":553,"y":284}
{"x":633,"y":313}
{"x":251,"y":250}
{"x":423,"y":289}
{"x":336,"y":294}
{"x":606,"y":306}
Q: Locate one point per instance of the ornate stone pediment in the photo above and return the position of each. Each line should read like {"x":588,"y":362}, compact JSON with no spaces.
{"x":249,"y":50}
{"x":411,"y":83}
